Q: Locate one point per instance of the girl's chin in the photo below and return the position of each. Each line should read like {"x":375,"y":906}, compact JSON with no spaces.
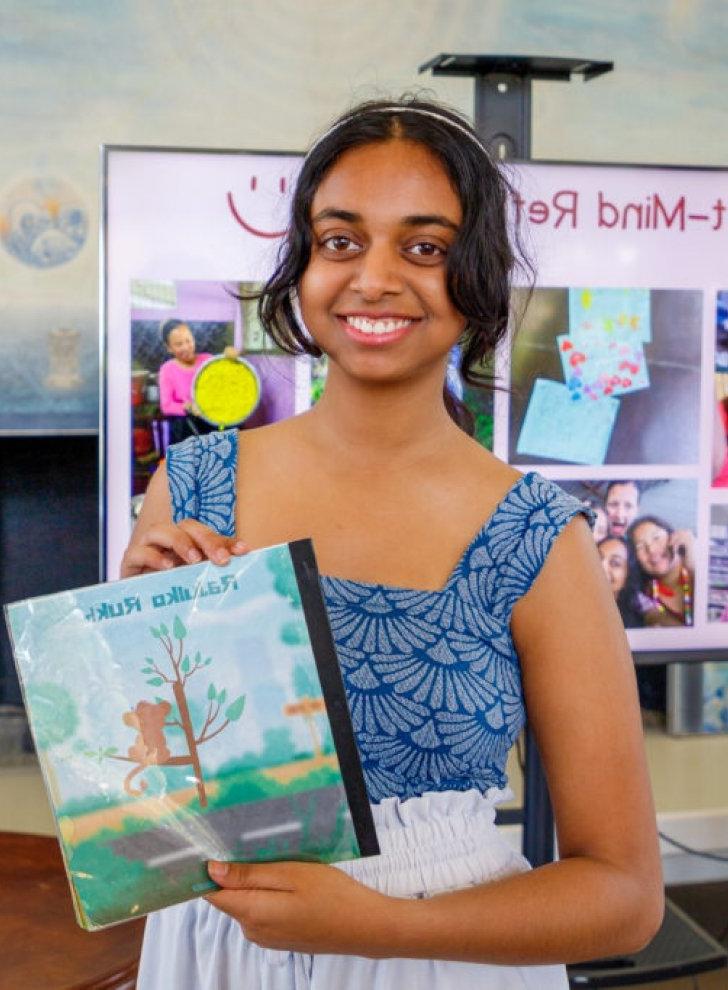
{"x":660,"y":572}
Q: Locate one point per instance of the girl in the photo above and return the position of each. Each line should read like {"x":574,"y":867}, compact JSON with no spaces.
{"x":175,"y":381}
{"x":614,"y":555}
{"x":619,"y":570}
{"x":452,"y":584}
{"x":666,"y":574}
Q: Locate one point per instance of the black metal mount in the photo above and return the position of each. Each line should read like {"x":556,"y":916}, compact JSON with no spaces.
{"x":503,"y":92}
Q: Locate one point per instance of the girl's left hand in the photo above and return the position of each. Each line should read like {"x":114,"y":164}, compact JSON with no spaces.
{"x":308,"y":907}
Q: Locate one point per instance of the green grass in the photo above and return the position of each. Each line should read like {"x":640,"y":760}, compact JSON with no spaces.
{"x":111,"y":887}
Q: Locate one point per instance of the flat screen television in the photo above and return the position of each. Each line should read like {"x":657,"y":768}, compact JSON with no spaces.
{"x":616,"y":382}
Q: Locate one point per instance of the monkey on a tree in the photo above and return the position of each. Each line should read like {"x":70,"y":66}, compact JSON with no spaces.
{"x":150,"y":746}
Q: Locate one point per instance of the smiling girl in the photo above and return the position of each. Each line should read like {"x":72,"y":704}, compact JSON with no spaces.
{"x":452,"y":584}
{"x":666,"y":562}
{"x":175,"y":381}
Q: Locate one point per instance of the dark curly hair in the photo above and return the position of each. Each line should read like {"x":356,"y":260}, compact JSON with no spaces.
{"x":480,"y":263}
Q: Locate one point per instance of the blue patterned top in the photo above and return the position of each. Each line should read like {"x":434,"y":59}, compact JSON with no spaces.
{"x":432,"y":677}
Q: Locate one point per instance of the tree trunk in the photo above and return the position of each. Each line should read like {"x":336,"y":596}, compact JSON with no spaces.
{"x":185,"y":719}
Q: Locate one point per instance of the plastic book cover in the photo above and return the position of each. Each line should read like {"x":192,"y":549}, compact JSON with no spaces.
{"x":187,"y":715}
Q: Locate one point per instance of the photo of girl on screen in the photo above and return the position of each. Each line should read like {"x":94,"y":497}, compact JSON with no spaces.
{"x":663,"y":564}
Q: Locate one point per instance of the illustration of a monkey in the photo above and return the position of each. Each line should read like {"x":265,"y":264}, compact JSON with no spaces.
{"x":150,"y":746}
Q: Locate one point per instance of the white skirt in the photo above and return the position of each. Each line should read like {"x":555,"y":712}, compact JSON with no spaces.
{"x":429,"y":845}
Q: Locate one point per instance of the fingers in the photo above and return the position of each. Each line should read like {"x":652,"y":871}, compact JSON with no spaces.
{"x":198,"y":541}
{"x":253,"y":876}
{"x":140,"y":559}
{"x":165,"y":545}
{"x":681,"y":541}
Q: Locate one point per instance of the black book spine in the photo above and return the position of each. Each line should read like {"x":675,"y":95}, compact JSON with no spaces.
{"x":332,"y":685}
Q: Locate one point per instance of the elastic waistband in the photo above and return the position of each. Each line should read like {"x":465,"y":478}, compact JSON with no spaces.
{"x":435,"y":818}
{"x":439,"y":841}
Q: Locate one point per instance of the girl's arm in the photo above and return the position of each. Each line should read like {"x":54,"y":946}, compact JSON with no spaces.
{"x":603,"y":897}
{"x":158,"y":544}
{"x":169,"y":405}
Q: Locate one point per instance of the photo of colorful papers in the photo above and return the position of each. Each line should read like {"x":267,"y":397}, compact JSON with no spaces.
{"x":617,"y":314}
{"x":557,"y":427}
{"x":615,"y":363}
{"x":602,"y":367}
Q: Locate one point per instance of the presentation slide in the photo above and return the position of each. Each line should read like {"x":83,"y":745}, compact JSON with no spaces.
{"x":616,"y":377}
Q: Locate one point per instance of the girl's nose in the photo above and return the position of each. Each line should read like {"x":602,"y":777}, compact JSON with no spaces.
{"x":377,"y":273}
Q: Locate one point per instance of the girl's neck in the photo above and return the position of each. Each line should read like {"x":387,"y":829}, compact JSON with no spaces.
{"x":365,"y":422}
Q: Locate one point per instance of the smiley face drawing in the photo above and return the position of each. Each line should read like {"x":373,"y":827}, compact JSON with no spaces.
{"x":254,"y":228}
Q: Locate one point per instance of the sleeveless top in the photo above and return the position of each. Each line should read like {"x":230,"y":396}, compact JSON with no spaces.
{"x":432,"y":677}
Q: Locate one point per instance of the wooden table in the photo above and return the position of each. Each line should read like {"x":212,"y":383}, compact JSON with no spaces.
{"x":40,"y":943}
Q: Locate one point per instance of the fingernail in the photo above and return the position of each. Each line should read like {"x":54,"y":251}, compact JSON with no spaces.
{"x":166,"y":564}
{"x":216,"y":869}
{"x":239,"y":546}
{"x":194,"y":556}
{"x":221,"y":556}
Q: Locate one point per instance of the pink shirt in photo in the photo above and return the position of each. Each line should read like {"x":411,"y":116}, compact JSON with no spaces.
{"x":175,"y":385}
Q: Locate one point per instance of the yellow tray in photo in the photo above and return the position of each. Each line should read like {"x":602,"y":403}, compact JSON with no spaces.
{"x":226,"y":391}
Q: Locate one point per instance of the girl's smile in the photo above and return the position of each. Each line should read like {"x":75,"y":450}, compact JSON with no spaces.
{"x":377,"y":329}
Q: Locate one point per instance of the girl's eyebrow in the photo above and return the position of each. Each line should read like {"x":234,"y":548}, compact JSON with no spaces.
{"x":333,"y":214}
{"x":413,"y":220}
{"x":428,"y":219}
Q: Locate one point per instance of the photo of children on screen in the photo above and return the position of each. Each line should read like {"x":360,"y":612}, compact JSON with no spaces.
{"x":645,"y":536}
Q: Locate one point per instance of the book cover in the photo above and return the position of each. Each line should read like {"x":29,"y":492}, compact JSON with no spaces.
{"x":187,"y":715}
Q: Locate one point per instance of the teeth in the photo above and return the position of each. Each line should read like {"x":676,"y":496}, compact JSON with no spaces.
{"x":365,"y":325}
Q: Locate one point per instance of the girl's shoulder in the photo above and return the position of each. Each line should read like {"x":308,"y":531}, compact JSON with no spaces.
{"x":201,"y":477}
{"x":505,"y":482}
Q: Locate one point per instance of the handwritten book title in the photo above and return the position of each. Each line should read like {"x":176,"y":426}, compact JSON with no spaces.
{"x":176,"y":595}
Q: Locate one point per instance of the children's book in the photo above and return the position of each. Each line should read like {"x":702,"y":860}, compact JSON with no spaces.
{"x":188,"y":715}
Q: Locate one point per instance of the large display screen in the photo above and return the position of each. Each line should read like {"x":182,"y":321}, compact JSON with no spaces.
{"x":616,"y":380}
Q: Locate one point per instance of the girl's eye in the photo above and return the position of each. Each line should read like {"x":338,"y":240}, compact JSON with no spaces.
{"x":339,"y":244}
{"x":427,"y":250}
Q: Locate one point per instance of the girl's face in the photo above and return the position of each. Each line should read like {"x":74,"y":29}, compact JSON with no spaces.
{"x":181,"y":344}
{"x":374,"y":293}
{"x":615,"y":563}
{"x":623,"y":504}
{"x":652,"y":549}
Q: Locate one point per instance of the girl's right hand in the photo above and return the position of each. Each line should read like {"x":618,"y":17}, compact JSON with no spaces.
{"x":164,"y":545}
{"x":682,"y":543}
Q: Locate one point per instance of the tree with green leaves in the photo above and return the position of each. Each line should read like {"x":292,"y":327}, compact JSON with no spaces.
{"x":150,"y":719}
